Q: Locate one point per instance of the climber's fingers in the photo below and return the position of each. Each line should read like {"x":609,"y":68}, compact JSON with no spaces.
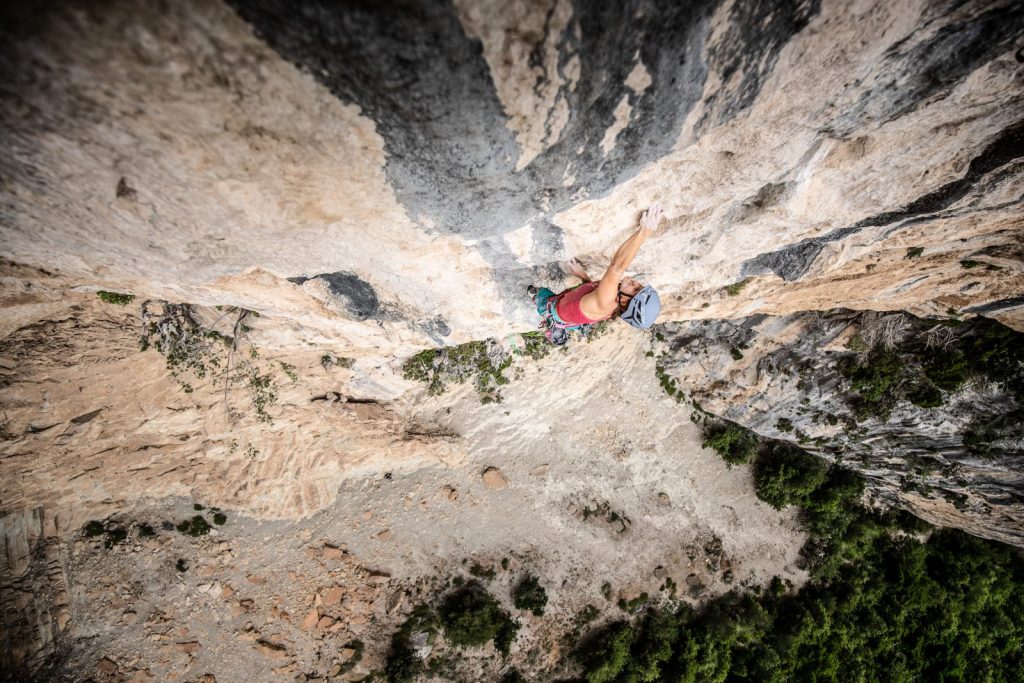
{"x":651,"y":217}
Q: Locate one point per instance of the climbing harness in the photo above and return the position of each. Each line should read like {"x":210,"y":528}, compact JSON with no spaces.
{"x":555,"y":330}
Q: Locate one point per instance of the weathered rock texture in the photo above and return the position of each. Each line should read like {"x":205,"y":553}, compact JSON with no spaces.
{"x":171,"y":152}
{"x":377,"y":178}
{"x":884,"y":394}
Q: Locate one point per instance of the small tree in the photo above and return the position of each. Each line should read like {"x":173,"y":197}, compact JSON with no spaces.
{"x":784,"y":475}
{"x":605,"y":655}
{"x":471,"y":617}
{"x":530,"y":595}
{"x":735,"y":444}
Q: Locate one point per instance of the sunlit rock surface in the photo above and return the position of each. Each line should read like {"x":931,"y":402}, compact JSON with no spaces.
{"x":373,"y":179}
{"x":449,"y":155}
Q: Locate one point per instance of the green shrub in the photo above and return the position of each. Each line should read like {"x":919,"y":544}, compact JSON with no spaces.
{"x":197,"y":526}
{"x":471,"y":617}
{"x":921,"y":373}
{"x":857,"y":344}
{"x":914,"y":252}
{"x":924,"y":395}
{"x":876,"y":382}
{"x":219,"y":518}
{"x":604,"y":656}
{"x":874,"y":378}
{"x":996,"y":352}
{"x":481,"y":572}
{"x":438,"y":367}
{"x":668,"y":384}
{"x":633,"y":604}
{"x":735,"y":288}
{"x":530,"y":595}
{"x":653,"y":648}
{"x":735,"y":444}
{"x":982,"y":349}
{"x":481,"y":361}
{"x":115,"y":298}
{"x":587,"y":615}
{"x":535,"y":345}
{"x":289,"y":370}
{"x":842,"y":531}
{"x":784,"y":475}
{"x":403,"y":664}
{"x":114,"y":535}
{"x":505,"y":636}
{"x":947,"y":369}
{"x":93,"y":528}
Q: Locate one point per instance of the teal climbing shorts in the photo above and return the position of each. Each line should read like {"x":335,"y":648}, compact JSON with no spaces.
{"x":543,"y":294}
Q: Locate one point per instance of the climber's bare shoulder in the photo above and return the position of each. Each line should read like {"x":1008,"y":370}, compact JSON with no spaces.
{"x":600,"y":303}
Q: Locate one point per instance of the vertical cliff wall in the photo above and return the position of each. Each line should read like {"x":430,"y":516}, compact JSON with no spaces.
{"x":929,"y":412}
{"x":328,"y":188}
{"x":221,"y":155}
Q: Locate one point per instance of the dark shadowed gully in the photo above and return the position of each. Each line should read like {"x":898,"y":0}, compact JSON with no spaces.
{"x":451,"y":157}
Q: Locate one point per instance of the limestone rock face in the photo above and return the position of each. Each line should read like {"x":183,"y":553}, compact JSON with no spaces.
{"x":321,"y":192}
{"x":890,"y":396}
{"x":494,"y":479}
{"x":34,"y":592}
{"x":113,"y":425}
{"x":431,"y":161}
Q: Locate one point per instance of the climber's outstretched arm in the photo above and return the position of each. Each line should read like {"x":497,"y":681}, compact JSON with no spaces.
{"x":624,"y":255}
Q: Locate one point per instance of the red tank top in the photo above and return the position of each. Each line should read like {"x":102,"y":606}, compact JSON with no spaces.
{"x":568,"y":306}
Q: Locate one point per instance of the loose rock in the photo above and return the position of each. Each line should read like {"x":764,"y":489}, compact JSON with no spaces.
{"x":494,"y":479}
{"x":271,"y":650}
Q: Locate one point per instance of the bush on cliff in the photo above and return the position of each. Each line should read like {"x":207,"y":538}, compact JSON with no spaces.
{"x":530,"y":595}
{"x":115,"y":298}
{"x":605,"y":655}
{"x":472,"y":617}
{"x":933,"y":359}
{"x":404,"y":664}
{"x":735,"y":444}
{"x":785,"y":475}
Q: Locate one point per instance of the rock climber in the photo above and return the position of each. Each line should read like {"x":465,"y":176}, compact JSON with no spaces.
{"x":614,"y":294}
